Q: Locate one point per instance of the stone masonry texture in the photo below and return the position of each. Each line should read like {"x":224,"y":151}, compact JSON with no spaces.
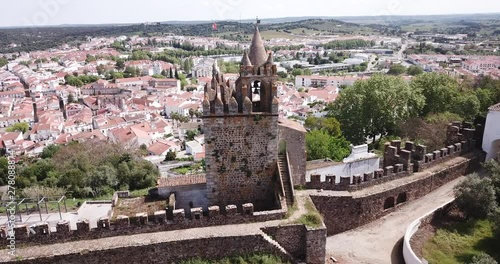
{"x":241,"y":158}
{"x":345,"y":212}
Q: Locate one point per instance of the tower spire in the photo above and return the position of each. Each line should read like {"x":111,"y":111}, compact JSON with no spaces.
{"x":257,"y":54}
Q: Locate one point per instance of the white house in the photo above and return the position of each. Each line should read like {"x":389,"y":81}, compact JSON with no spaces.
{"x":360,"y":161}
{"x":491,"y":138}
{"x":193,"y":147}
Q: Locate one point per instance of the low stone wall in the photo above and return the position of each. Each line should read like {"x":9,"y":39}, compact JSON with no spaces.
{"x":343,"y":212}
{"x":408,"y":254}
{"x":140,"y":223}
{"x":291,"y":237}
{"x":168,"y":252}
{"x":390,"y":173}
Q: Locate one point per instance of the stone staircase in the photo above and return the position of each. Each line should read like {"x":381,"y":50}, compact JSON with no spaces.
{"x":287,"y":183}
{"x":282,"y":250}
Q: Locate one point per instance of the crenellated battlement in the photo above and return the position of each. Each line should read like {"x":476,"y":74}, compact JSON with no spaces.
{"x":41,"y":233}
{"x":401,"y":162}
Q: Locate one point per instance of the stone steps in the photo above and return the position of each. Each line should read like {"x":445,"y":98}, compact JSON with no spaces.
{"x":276,"y":245}
{"x":283,"y":167}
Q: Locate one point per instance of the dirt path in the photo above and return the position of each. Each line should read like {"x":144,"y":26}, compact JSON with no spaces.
{"x":381,"y":241}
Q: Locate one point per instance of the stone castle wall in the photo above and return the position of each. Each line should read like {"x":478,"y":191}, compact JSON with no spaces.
{"x":140,"y":223}
{"x":342,"y":213}
{"x":241,"y":157}
{"x":295,"y":139}
{"x":168,"y":252}
{"x":299,"y":243}
{"x":402,"y":160}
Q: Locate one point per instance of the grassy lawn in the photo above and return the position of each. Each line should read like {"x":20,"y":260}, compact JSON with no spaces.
{"x":251,"y":259}
{"x":460,"y":242}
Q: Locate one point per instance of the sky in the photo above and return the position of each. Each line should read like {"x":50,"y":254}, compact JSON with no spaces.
{"x":57,"y":12}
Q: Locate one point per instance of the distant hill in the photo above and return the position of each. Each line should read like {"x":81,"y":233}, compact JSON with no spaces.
{"x":42,"y":38}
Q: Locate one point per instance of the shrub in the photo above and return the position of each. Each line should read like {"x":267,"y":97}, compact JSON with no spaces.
{"x":483,"y":258}
{"x":475,"y":197}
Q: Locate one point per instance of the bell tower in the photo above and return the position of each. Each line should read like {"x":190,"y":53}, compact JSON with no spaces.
{"x":241,"y":131}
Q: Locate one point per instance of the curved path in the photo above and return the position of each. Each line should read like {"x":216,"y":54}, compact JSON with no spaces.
{"x":380,"y":242}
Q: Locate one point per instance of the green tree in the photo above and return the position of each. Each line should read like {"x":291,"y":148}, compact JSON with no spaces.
{"x":487,"y":98}
{"x":102,"y":179}
{"x":158,"y":76}
{"x":3,"y":61}
{"x":375,"y":107}
{"x":321,"y":145}
{"x":282,"y":74}
{"x":296,"y":72}
{"x":120,"y":64}
{"x":439,"y":91}
{"x":328,"y":124}
{"x":414,"y":70}
{"x":19,"y":127}
{"x":171,"y":155}
{"x":396,"y":69}
{"x":191,"y":134}
{"x":483,"y":258}
{"x":475,"y":197}
{"x":49,"y":151}
{"x":71,"y":98}
{"x":467,"y":106}
{"x":4,"y":170}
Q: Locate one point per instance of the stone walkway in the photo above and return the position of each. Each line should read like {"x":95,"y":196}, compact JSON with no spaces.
{"x":151,"y":238}
{"x":380,"y":242}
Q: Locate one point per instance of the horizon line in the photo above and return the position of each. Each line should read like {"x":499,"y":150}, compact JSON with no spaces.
{"x":244,"y":19}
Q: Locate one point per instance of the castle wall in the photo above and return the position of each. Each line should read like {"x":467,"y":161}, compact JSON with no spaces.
{"x":300,"y":244}
{"x":297,"y":155}
{"x":187,"y":196}
{"x":343,"y":213}
{"x":241,"y":158}
{"x":168,"y":252}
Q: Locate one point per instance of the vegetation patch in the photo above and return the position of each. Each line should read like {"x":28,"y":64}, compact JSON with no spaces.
{"x":248,"y":259}
{"x":460,"y":242}
{"x":312,"y":218}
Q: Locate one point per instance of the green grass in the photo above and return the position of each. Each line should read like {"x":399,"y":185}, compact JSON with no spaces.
{"x":250,"y":259}
{"x":460,"y":242}
{"x":312,"y":218}
{"x":291,"y":210}
{"x":190,"y":169}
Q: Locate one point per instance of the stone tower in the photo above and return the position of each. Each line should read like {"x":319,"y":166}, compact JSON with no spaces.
{"x":241,"y":131}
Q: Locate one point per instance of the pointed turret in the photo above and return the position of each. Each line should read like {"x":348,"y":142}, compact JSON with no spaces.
{"x":270,"y":59}
{"x":245,"y":61}
{"x":258,"y":54}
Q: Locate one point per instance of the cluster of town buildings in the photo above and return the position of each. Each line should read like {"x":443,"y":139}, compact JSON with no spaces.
{"x":137,"y":111}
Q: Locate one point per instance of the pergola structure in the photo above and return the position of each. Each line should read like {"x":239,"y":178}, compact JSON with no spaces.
{"x":38,"y":204}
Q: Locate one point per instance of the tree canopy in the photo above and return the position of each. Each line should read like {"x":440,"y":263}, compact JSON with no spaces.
{"x":375,"y":107}
{"x":19,"y":127}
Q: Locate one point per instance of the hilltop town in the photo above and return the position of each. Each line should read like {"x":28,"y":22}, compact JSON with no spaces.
{"x":289,"y":136}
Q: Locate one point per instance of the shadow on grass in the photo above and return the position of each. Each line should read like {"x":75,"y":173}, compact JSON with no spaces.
{"x":490,"y":245}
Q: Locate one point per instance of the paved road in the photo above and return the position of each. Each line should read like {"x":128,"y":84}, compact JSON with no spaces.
{"x":381,"y":241}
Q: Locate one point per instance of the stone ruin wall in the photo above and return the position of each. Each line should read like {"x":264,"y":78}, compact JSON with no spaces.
{"x":401,"y":162}
{"x":307,"y":245}
{"x":241,"y":158}
{"x":168,"y":252}
{"x":141,"y":223}
{"x":342,"y":213}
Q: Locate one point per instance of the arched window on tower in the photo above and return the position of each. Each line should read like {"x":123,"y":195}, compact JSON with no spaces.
{"x":256,"y":93}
